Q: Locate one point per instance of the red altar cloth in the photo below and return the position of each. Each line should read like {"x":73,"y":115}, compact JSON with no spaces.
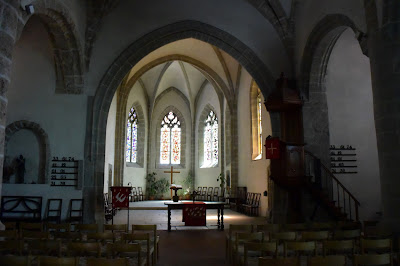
{"x":194,"y":214}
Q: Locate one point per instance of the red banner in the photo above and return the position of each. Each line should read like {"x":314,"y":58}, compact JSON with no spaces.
{"x":194,"y":214}
{"x":120,"y":196}
{"x":272,"y":147}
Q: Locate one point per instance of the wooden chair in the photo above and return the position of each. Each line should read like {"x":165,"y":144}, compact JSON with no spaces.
{"x":241,"y":238}
{"x":337,"y":260}
{"x":296,"y":227}
{"x":279,"y":261}
{"x":44,"y":247}
{"x":11,"y":247}
{"x":53,"y":210}
{"x":26,"y":234}
{"x":83,"y":249}
{"x":139,"y":238}
{"x":230,"y":237}
{"x":329,"y":226}
{"x":65,"y":227}
{"x":52,"y":261}
{"x":280,"y":237}
{"x":373,"y":259}
{"x":268,"y":228}
{"x":299,"y":247}
{"x":9,"y":234}
{"x":107,"y":262}
{"x":255,"y":206}
{"x":122,"y":228}
{"x":10,"y":225}
{"x":134,"y":196}
{"x":88,"y":228}
{"x":348,"y":225}
{"x":140,"y":194}
{"x":102,"y":237}
{"x":376,"y":245}
{"x":203,"y":195}
{"x":314,"y":235}
{"x":338,"y":247}
{"x":216,"y":194}
{"x":31,"y":226}
{"x":252,"y":251}
{"x":68,"y":236}
{"x":126,"y":250}
{"x":347,"y":234}
{"x":151,"y":228}
{"x":76,"y":210}
{"x":209,"y":194}
{"x":15,"y":260}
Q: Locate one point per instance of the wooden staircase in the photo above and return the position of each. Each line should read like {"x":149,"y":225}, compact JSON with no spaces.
{"x":328,"y":191}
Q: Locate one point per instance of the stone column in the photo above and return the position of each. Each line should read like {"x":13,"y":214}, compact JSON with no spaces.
{"x":8,"y":32}
{"x":384,"y":53}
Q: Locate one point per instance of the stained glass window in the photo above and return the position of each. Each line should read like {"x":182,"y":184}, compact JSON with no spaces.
{"x":259,"y":126}
{"x":131,"y":136}
{"x":211,"y":140}
{"x":170,"y":140}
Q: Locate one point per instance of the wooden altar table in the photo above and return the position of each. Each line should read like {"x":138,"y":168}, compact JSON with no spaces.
{"x":209,"y":205}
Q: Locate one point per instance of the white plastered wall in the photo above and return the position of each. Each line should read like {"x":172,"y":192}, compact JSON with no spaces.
{"x":351,"y":120}
{"x":252,"y":173}
{"x":110,"y":143}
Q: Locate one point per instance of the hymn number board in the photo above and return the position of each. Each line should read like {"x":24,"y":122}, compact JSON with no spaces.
{"x":343,"y":159}
{"x":64,"y":172}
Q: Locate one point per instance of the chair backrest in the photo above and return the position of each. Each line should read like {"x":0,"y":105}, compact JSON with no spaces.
{"x":279,"y":261}
{"x":68,"y":236}
{"x":329,"y":226}
{"x":65,"y":227}
{"x":76,"y":209}
{"x":12,"y":246}
{"x":10,"y":225}
{"x":210,"y":191}
{"x":199,"y":189}
{"x":107,"y":262}
{"x":268,"y":228}
{"x":9,"y":234}
{"x":116,"y":227}
{"x":347,"y":234}
{"x":15,"y":260}
{"x":126,"y":250}
{"x":338,"y":246}
{"x":54,"y":207}
{"x":256,"y":201}
{"x":51,"y":261}
{"x":45,"y":247}
{"x":140,"y":190}
{"x":373,"y":259}
{"x":242,"y":237}
{"x":134,"y":191}
{"x":93,"y":228}
{"x":336,"y":260}
{"x":101,"y":237}
{"x":249,"y":198}
{"x":216,"y":191}
{"x":26,"y":234}
{"x":204,"y":192}
{"x":377,"y":245}
{"x":31,"y":226}
{"x":314,"y":235}
{"x":233,"y":228}
{"x":285,"y":236}
{"x":262,"y":248}
{"x":299,"y":246}
{"x":296,"y":227}
{"x":83,"y":249}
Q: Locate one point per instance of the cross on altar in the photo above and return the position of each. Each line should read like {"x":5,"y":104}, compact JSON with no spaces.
{"x":172,"y":172}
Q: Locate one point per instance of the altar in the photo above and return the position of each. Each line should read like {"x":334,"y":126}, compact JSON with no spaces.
{"x":206,"y":205}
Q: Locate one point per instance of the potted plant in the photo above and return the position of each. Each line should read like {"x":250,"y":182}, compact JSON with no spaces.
{"x":162,"y":187}
{"x":151,"y":185}
{"x":188,"y":182}
{"x":222,"y":179}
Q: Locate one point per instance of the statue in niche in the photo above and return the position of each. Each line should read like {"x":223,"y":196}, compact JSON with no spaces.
{"x":8,"y":170}
{"x":19,"y":169}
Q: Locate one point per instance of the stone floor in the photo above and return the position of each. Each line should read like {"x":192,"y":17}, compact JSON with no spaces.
{"x":155,"y":212}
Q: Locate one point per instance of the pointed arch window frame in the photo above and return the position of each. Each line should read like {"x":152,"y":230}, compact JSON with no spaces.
{"x":170,"y":140}
{"x":131,"y":145}
{"x":256,"y":121}
{"x":211,"y":139}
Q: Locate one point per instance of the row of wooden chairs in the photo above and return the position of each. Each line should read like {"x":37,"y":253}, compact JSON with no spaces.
{"x":334,"y":260}
{"x":82,"y":232}
{"x":64,"y":261}
{"x":136,"y":194}
{"x":208,"y":194}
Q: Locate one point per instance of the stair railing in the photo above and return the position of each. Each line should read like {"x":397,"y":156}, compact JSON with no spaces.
{"x":320,"y":176}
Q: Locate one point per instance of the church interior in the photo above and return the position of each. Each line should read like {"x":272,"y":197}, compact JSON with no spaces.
{"x":279,"y":118}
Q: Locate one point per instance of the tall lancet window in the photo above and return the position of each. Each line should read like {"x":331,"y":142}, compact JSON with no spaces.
{"x":170,"y":142}
{"x":131,"y":136}
{"x":260,"y":140}
{"x":211,"y":140}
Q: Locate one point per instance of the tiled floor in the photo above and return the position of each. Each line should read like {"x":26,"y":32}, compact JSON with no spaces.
{"x":147,"y":213}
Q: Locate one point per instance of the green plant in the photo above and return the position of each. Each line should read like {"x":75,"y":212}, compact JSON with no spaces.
{"x":221,"y":178}
{"x":162,"y":186}
{"x":188,"y":181}
{"x":156,"y":186}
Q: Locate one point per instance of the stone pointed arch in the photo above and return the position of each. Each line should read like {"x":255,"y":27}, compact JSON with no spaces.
{"x":95,"y":152}
{"x":44,"y":146}
{"x":67,"y":47}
